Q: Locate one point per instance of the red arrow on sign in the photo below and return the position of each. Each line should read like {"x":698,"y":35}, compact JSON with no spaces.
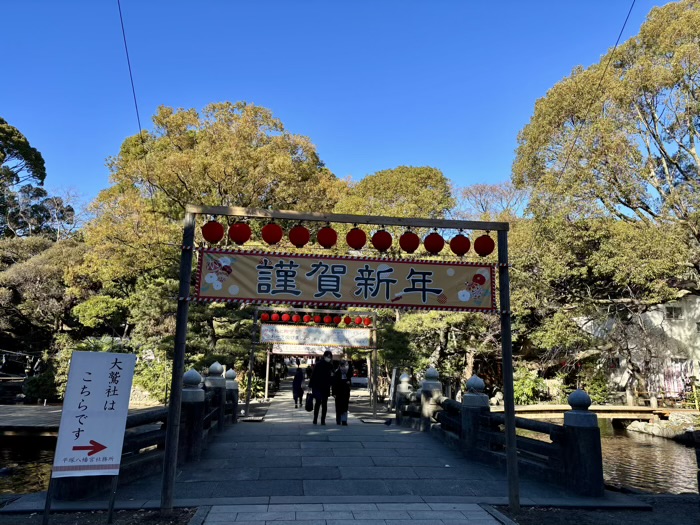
{"x":94,"y":447}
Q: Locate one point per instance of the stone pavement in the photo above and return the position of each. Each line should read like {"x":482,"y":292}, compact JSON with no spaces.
{"x":287,"y":469}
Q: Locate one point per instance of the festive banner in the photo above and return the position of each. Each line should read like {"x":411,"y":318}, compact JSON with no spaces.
{"x":315,"y":335}
{"x":278,"y":278}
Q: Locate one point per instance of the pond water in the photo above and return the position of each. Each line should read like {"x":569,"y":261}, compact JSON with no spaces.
{"x":630,"y":459}
{"x":647,"y":463}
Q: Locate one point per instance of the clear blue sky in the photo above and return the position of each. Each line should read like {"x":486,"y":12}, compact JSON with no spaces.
{"x":374,"y":84}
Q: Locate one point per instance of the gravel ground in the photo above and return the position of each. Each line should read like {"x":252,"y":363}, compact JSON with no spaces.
{"x":667,"y":509}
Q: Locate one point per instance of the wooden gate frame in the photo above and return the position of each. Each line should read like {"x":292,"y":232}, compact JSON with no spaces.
{"x":191,"y":211}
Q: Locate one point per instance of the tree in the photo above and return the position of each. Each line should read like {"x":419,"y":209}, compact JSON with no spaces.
{"x":628,"y":149}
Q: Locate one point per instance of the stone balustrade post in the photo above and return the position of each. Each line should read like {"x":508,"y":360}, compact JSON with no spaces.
{"x":216,"y":381}
{"x":431,"y":391}
{"x":232,"y":393}
{"x":192,"y":421}
{"x":583,"y":455}
{"x":403,"y":391}
{"x":474,"y":405}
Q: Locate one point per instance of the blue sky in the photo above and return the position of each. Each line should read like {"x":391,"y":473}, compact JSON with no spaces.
{"x":374,"y":84}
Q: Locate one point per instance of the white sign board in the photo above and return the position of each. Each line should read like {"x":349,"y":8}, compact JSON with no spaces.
{"x":305,"y":350}
{"x":93,"y":419}
{"x":316,"y":335}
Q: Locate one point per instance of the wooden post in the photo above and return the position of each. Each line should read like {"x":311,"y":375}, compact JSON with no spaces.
{"x":173,"y":426}
{"x":112,"y":497}
{"x":507,"y":348}
{"x":267,"y":375}
{"x":47,"y":503}
{"x":375,"y":367}
{"x":251,"y":360}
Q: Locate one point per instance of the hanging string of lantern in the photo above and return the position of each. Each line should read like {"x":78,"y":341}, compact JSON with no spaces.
{"x":295,"y":318}
{"x":299,"y":236}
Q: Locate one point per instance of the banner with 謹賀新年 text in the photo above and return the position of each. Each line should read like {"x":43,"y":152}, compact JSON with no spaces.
{"x":259,"y":277}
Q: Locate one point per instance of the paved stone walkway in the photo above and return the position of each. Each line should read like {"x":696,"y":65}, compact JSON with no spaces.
{"x":285,"y":469}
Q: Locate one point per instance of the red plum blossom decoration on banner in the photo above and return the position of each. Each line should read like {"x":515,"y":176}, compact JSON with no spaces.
{"x":272,"y":233}
{"x":213,"y":232}
{"x":484,"y":245}
{"x":239,"y":233}
{"x":409,"y":242}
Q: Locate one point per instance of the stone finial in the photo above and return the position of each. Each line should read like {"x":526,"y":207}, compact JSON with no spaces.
{"x":216,"y":369}
{"x":191,"y":379}
{"x":475,"y":385}
{"x":579,"y":400}
{"x":431,"y":374}
{"x":404,"y":378}
{"x":230,"y":374}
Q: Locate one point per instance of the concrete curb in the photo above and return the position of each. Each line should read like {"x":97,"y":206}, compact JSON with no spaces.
{"x":200,"y":515}
{"x":505,"y":520}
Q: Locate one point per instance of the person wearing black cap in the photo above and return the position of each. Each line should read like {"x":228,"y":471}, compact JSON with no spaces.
{"x":320,"y":384}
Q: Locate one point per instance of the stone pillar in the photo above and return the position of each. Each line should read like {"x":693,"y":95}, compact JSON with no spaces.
{"x":403,"y":390}
{"x":232,"y":393}
{"x":216,"y":381}
{"x":474,"y":405}
{"x":583,"y":455}
{"x":192,"y":420}
{"x":431,"y":390}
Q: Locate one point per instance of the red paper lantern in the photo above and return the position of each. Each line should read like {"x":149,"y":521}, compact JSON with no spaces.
{"x":356,"y":238}
{"x":299,"y":236}
{"x":275,"y":317}
{"x":307,"y":318}
{"x":239,"y":233}
{"x":484,"y":245}
{"x":434,"y":243}
{"x":358,"y":320}
{"x":382,"y":240}
{"x":337,"y":319}
{"x":328,"y":319}
{"x":367,"y":321}
{"x":409,"y":242}
{"x":459,"y":244}
{"x":479,"y":279}
{"x":347,"y":320}
{"x":296,"y":318}
{"x":327,"y":237}
{"x":286,"y":318}
{"x":265,"y":317}
{"x":317,"y":319}
{"x":213,"y":232}
{"x":272,"y":233}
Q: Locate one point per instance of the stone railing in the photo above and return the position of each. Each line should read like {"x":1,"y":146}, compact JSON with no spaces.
{"x":207,"y":405}
{"x":568,"y":454}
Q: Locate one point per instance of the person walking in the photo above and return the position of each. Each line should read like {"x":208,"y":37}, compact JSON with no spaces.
{"x":341,"y":392}
{"x":320,"y":384}
{"x":298,"y":387}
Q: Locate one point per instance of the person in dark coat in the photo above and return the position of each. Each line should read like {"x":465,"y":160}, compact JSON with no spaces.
{"x":320,"y":384}
{"x":341,"y":392}
{"x":298,"y":387}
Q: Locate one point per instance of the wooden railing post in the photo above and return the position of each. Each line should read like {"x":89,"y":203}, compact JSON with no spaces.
{"x":583,"y":455}
{"x":192,"y":422}
{"x":217,"y":383}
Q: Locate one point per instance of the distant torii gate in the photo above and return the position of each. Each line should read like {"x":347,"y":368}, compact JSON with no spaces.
{"x":191,"y":211}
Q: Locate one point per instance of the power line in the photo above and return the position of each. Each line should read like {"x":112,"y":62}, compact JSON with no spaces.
{"x":597,"y":89}
{"x":128,"y":61}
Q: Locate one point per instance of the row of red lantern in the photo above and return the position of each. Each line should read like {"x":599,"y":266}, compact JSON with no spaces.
{"x":356,"y":238}
{"x":318,"y":319}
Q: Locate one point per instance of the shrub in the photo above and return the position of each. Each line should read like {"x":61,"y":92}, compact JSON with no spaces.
{"x":528,"y":387}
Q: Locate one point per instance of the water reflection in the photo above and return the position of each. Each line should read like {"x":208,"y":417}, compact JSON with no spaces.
{"x":25,"y":466}
{"x":647,"y":463}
